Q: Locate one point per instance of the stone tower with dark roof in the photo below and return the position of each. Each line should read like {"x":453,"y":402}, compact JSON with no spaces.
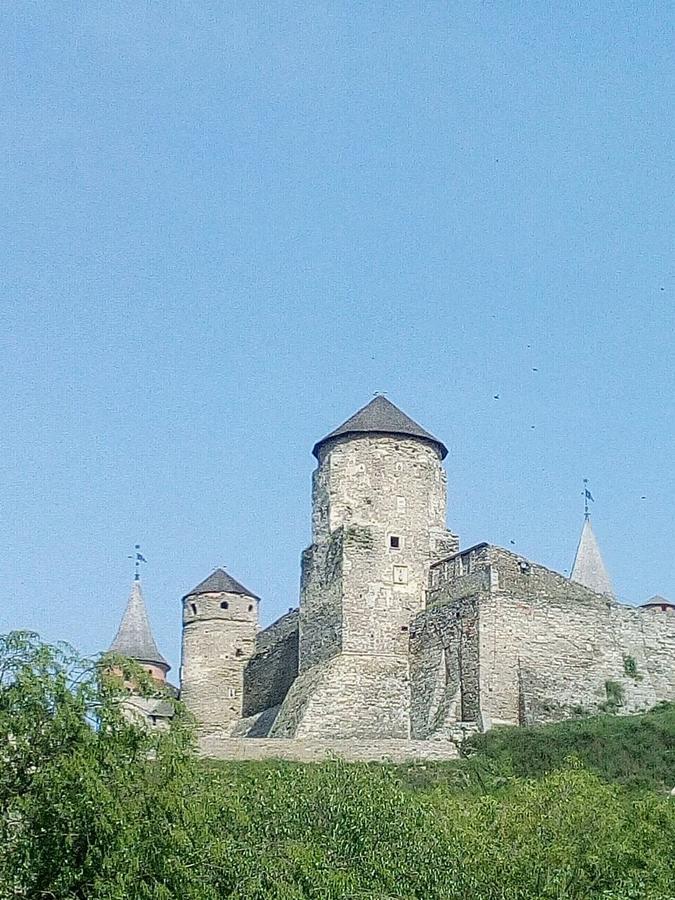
{"x":378,"y":521}
{"x":220,"y":623}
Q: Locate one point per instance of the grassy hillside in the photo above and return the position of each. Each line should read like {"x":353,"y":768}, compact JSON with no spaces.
{"x":575,"y":811}
{"x":637,"y":752}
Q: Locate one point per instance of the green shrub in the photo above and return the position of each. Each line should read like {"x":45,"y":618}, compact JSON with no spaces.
{"x":615,"y":697}
{"x":636,"y":751}
{"x":94,"y":809}
{"x":630,"y":668}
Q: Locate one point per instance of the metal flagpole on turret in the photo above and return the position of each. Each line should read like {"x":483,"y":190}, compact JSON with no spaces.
{"x":587,"y":496}
{"x":138,"y":558}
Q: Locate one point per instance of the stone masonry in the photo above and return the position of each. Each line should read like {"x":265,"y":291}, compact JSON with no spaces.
{"x":220,"y":623}
{"x":402,"y":643}
{"x":506,"y":641}
{"x":378,"y":520}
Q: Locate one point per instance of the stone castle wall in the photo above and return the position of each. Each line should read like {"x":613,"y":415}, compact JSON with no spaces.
{"x":215,"y":746}
{"x":273,"y":667}
{"x":547,"y":648}
{"x":553,"y":648}
{"x":352,"y":696}
{"x":320,"y":617}
{"x":444,"y":668}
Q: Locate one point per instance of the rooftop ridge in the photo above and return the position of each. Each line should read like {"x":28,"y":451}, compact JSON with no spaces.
{"x":381,"y":416}
{"x":219,"y":581}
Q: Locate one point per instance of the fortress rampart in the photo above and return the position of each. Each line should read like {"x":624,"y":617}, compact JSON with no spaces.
{"x":402,"y":642}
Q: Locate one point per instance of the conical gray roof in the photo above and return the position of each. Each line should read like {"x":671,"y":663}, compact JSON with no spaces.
{"x":380,"y":416}
{"x":219,"y":581}
{"x":134,"y":636}
{"x":658,"y":600}
{"x":589,"y":567}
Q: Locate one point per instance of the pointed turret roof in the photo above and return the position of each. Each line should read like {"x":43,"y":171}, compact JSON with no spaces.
{"x":658,"y":600}
{"x":589,"y":568}
{"x":381,"y":416}
{"x":220,"y":582}
{"x":134,"y":636}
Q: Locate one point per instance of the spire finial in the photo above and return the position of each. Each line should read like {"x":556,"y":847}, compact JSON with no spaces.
{"x":138,"y":558}
{"x":587,"y":496}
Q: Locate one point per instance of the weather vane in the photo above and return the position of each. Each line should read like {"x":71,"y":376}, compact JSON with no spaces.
{"x":380,"y":394}
{"x":138,"y":558}
{"x":587,"y":496}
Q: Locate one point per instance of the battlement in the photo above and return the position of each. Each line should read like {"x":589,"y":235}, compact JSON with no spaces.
{"x":463,"y":562}
{"x":498,"y":569}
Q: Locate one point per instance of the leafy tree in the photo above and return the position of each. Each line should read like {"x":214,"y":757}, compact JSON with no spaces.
{"x":94,"y":807}
{"x":77,"y":778}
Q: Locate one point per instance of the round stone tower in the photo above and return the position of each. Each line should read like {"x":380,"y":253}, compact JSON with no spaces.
{"x":220,"y":623}
{"x":378,"y":521}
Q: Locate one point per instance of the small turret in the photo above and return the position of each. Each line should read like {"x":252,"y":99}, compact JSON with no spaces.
{"x":134,"y":639}
{"x":660,"y":603}
{"x":134,"y":636}
{"x":220,"y":623}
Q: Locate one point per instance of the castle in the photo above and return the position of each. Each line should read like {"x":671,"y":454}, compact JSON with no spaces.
{"x":402,"y":641}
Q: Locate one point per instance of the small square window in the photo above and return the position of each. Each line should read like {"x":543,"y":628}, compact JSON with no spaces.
{"x":394,"y":542}
{"x":231,"y":693}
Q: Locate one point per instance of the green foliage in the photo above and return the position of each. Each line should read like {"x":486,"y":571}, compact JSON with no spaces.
{"x":78,"y":782}
{"x":615,"y":697}
{"x":96,"y":809}
{"x":630,"y":668}
{"x":635,"y":751}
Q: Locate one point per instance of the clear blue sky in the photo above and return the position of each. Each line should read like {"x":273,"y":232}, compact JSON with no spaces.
{"x":226,"y":225}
